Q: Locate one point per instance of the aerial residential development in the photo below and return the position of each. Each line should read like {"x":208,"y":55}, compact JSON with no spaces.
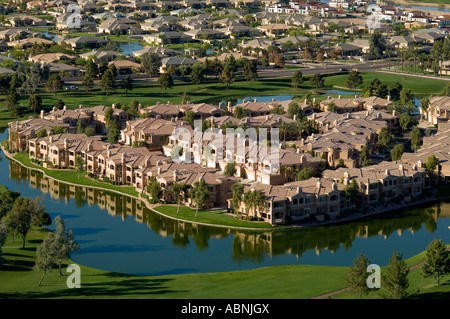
{"x":283,"y":130}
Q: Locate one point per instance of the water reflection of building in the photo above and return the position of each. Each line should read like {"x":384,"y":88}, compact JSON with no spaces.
{"x":247,"y":245}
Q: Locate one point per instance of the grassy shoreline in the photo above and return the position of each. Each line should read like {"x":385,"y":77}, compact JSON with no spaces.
{"x":20,"y":280}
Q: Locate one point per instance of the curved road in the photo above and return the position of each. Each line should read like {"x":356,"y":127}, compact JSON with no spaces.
{"x":324,"y":68}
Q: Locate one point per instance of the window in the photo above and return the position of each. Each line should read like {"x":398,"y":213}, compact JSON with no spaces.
{"x":295,"y":202}
{"x":307,"y":200}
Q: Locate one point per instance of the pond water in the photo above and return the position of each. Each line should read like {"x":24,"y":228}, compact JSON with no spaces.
{"x":129,"y":47}
{"x":117,"y":233}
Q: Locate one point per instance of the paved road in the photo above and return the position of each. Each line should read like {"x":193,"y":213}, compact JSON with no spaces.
{"x":324,"y":68}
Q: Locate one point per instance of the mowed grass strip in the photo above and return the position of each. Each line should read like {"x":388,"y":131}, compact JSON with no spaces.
{"x":210,"y":217}
{"x":73,"y":177}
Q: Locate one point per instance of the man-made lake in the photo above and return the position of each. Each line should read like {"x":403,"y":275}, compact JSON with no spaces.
{"x":117,"y":233}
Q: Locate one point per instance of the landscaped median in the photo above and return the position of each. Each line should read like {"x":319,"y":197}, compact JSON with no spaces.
{"x":212,"y":218}
{"x":70,"y":176}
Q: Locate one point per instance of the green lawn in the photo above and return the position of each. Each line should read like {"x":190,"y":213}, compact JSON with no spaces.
{"x":209,"y":217}
{"x":20,"y":280}
{"x":71,"y":176}
{"x":417,"y":85}
{"x":150,"y":93}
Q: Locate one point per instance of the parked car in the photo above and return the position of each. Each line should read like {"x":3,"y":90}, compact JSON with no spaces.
{"x":71,"y":88}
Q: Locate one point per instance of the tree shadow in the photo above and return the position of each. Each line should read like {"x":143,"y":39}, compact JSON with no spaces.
{"x":123,"y":287}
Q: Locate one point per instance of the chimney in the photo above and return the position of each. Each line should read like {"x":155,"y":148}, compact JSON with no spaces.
{"x":394,"y":113}
{"x":388,"y":172}
{"x":345,"y":181}
{"x":389,"y":98}
{"x":159,"y":170}
{"x":346,"y":175}
{"x":54,"y":109}
{"x":313,"y":116}
{"x":339,"y":97}
{"x":50,"y":139}
{"x":401,"y":169}
{"x":299,"y":189}
{"x":306,"y":101}
{"x":229,"y":106}
{"x":80,"y":106}
{"x":64,"y":107}
{"x":295,"y":117}
{"x":302,"y":158}
{"x":42,"y":114}
{"x":175,"y":175}
{"x":108,"y":154}
{"x":139,"y":106}
{"x":66,"y":144}
{"x":255,"y":100}
{"x":168,"y":102}
{"x":302,"y":141}
{"x":419,"y":163}
{"x":334,"y":186}
{"x":318,"y":184}
{"x":113,"y":106}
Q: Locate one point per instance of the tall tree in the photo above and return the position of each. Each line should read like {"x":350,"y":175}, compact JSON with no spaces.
{"x":108,"y":82}
{"x":150,"y":63}
{"x":395,"y":278}
{"x":397,"y":152}
{"x":179,"y":193}
{"x":21,"y":216}
{"x":198,"y":74}
{"x":416,"y":138}
{"x":377,"y":45}
{"x":437,"y":260}
{"x":238,"y":190}
{"x":54,"y":84}
{"x":354,"y":79}
{"x":250,"y":70}
{"x":79,"y":165}
{"x":45,"y":255}
{"x":317,"y":80}
{"x":297,"y":79}
{"x":64,"y":241}
{"x":165,"y":81}
{"x":227,"y":76}
{"x":113,"y":132}
{"x":12,"y":104}
{"x":357,"y":276}
{"x":127,"y":84}
{"x":3,"y":236}
{"x":35,"y":103}
{"x":384,"y":138}
{"x":365,"y":156}
{"x":200,"y":194}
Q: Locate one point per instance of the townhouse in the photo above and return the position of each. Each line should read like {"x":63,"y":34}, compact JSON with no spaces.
{"x":219,"y":186}
{"x":381,"y":183}
{"x":438,"y":110}
{"x":316,"y":199}
{"x":154,"y":131}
